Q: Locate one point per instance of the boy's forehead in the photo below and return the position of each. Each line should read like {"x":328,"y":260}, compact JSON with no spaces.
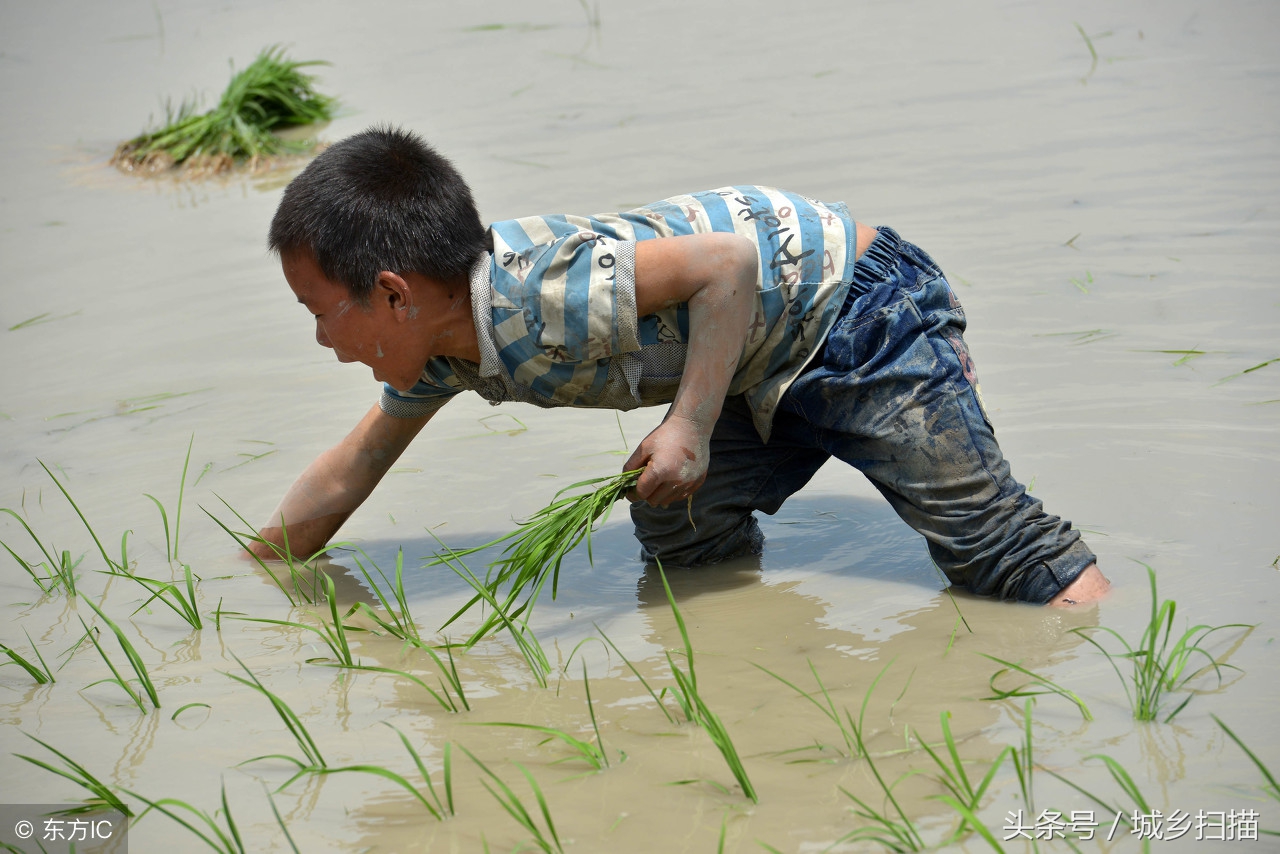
{"x":302,"y":272}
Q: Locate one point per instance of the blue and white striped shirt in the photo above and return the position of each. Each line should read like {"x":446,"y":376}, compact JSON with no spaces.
{"x":555,"y":308}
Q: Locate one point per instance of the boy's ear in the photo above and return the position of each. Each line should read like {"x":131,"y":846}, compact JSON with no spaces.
{"x":394,"y":292}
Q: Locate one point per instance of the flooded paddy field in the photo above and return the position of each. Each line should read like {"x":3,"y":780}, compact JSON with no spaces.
{"x":1098,"y":180}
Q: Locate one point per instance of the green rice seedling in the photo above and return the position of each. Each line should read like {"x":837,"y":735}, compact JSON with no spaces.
{"x":314,"y":760}
{"x":271,"y":93}
{"x":103,"y":798}
{"x":1079,"y":336}
{"x":449,"y":681}
{"x":960,"y":620}
{"x":1042,"y":685}
{"x":827,"y":707}
{"x":962,"y":794}
{"x":439,"y":810}
{"x":111,"y":565}
{"x":399,"y":621}
{"x":41,"y":673}
{"x":1023,"y":757}
{"x":117,"y":678}
{"x":1126,"y":784}
{"x":443,"y":697}
{"x":205,"y":826}
{"x":42,"y":317}
{"x":135,"y":661}
{"x":537,"y":547}
{"x":1271,"y":789}
{"x":171,"y":544}
{"x":334,"y":635}
{"x":56,"y":571}
{"x":284,"y":828}
{"x":183,"y":708}
{"x":170,"y":594}
{"x":661,"y":706}
{"x":448,"y":674}
{"x":893,"y":833}
{"x":526,"y":642}
{"x":1093,"y":66}
{"x":547,"y":841}
{"x":1256,"y":367}
{"x":218,"y":613}
{"x":595,"y":725}
{"x":1158,"y":667}
{"x":594,"y":755}
{"x":1184,"y":356}
{"x":695,"y":708}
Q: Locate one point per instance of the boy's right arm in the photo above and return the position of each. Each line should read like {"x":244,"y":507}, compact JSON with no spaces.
{"x":336,"y":483}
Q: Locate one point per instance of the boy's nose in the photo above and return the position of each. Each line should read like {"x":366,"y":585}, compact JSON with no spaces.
{"x":321,"y":338}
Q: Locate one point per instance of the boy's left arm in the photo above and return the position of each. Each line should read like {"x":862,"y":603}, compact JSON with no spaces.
{"x":716,"y":275}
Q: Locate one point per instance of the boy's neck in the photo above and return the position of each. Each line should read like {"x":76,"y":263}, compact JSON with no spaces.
{"x":453,"y":332}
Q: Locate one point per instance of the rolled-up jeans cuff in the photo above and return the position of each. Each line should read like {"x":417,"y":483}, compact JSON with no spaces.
{"x":1052,"y":575}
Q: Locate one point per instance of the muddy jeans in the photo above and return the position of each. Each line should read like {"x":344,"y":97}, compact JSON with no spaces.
{"x":892,"y":393}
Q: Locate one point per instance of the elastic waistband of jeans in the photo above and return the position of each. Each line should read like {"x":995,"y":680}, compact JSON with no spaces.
{"x":879,"y":261}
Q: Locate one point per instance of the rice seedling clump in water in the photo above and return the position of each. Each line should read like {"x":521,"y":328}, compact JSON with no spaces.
{"x":270,"y":94}
{"x":536,"y":549}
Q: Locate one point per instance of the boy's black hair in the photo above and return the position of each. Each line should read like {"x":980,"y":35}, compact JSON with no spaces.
{"x":380,"y":200}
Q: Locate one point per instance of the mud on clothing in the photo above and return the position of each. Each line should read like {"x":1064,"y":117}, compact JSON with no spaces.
{"x":864,"y":362}
{"x":893,"y":393}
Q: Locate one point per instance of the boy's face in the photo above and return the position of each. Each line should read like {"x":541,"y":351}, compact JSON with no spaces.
{"x":378,"y":336}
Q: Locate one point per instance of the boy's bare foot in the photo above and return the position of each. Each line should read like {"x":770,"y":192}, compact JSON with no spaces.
{"x":1089,"y":586}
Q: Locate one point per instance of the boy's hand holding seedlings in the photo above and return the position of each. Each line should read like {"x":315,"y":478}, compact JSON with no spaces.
{"x":716,"y":275}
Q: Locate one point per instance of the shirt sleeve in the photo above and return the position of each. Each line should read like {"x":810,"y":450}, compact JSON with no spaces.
{"x":576,"y":295}
{"x":436,"y":385}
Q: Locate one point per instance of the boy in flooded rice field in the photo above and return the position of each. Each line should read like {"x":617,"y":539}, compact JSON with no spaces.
{"x":779,"y":331}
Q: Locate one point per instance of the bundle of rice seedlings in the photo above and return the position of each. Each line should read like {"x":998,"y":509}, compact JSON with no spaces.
{"x":270,"y":94}
{"x":537,"y":547}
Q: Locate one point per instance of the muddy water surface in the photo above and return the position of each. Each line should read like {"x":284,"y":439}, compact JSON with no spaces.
{"x":1108,"y":221}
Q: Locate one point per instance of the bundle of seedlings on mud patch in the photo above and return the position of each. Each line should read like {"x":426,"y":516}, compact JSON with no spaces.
{"x":272,"y":93}
{"x":1161,"y":663}
{"x":536,"y":549}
